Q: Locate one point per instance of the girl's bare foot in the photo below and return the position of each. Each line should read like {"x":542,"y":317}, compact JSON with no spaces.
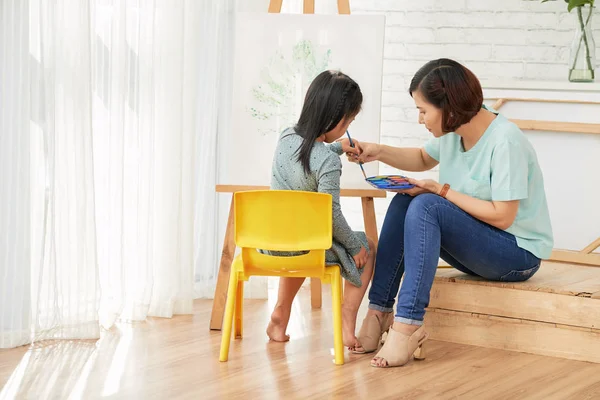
{"x":278,"y":325}
{"x":348,"y":328}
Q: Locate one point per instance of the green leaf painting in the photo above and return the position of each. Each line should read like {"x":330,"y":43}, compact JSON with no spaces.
{"x":283,"y":83}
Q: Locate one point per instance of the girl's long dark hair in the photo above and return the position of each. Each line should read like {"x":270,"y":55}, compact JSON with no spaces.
{"x":331,"y":97}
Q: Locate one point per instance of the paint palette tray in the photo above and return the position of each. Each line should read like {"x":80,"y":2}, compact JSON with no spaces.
{"x":390,"y":182}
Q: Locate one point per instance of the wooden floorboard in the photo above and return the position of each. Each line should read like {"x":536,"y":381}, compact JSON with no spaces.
{"x":178,"y":359}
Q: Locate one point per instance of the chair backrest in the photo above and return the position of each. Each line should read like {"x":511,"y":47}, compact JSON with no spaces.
{"x":283,"y":220}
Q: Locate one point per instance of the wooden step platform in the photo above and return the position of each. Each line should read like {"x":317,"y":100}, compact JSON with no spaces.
{"x":555,"y":313}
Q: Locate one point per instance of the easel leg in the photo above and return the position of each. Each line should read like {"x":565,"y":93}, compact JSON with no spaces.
{"x":343,"y":7}
{"x":275,"y":6}
{"x":370,"y":221}
{"x":220,"y":298}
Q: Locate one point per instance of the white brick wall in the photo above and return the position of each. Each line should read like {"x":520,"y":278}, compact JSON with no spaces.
{"x":497,"y":39}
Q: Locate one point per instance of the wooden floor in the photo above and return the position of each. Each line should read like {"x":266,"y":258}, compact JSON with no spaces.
{"x":178,"y":359}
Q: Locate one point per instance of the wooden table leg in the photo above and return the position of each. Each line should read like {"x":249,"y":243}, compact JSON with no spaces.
{"x":220,"y":298}
{"x":315,"y":293}
{"x":368,"y":206}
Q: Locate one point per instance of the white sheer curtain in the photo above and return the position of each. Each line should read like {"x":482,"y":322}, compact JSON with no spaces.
{"x":216,"y":65}
{"x":49,"y":280}
{"x":65,"y":287}
{"x":144,"y":98}
{"x":97,"y":168}
{"x":15,"y":197}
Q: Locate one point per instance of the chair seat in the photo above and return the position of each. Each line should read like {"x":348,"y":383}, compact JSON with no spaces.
{"x":287,"y":269}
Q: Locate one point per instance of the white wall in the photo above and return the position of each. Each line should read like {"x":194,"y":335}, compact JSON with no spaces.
{"x":497,"y":39}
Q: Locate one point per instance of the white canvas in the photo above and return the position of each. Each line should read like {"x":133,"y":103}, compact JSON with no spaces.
{"x":276,"y":58}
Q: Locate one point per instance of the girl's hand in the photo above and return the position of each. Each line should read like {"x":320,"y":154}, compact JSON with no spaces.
{"x":346,"y":148}
{"x":422,"y":186}
{"x":361,"y":258}
{"x":367,"y":152}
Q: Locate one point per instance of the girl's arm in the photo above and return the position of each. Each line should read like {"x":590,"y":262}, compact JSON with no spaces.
{"x":329,"y":182}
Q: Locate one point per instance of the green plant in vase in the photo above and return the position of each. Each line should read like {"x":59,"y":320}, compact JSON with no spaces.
{"x":582,"y":63}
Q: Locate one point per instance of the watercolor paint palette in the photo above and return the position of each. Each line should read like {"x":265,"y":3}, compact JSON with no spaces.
{"x":390,"y":182}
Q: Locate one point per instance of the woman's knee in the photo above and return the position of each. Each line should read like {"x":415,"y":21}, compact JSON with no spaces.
{"x":421,"y":204}
{"x":395,"y":215}
{"x":424,"y":201}
{"x":400,"y":203}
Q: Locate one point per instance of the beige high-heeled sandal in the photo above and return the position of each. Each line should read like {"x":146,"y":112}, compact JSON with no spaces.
{"x":400,"y":348}
{"x":372,"y":330}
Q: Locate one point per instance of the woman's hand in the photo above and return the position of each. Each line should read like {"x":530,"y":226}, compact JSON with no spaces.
{"x":366,"y":153}
{"x":422,"y":186}
{"x":352,"y":152}
{"x":361,"y":258}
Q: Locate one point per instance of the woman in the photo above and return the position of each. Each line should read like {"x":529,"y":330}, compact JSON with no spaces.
{"x":487,"y":216}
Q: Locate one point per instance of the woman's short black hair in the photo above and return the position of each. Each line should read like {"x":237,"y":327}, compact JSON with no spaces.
{"x":452,"y":88}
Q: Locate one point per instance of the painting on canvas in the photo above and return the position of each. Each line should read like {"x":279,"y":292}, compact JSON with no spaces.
{"x":276,"y":58}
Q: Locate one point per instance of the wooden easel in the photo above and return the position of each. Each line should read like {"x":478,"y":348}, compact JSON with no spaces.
{"x":366,"y":195}
{"x":585,"y":256}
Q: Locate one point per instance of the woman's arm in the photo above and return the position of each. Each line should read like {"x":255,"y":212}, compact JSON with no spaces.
{"x":500,"y":214}
{"x":405,"y":158}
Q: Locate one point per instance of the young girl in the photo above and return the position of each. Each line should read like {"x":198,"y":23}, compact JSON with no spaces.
{"x":304,"y":162}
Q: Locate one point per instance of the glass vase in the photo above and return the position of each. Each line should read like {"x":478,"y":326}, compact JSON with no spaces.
{"x":582,"y":62}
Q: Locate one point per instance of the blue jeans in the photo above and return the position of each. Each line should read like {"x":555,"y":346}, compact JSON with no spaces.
{"x":417,"y":231}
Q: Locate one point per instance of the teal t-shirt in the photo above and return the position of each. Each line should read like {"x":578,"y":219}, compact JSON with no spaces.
{"x":502,"y":166}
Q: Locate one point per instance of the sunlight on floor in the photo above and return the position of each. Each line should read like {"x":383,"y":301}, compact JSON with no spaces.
{"x":62,"y":369}
{"x":117,"y":365}
{"x":11,"y":388}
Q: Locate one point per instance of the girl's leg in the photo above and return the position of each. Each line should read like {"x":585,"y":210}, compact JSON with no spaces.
{"x":432,"y":222}
{"x":353,"y":297}
{"x":288,"y":288}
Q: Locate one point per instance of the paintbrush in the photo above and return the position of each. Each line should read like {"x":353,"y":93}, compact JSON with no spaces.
{"x":359,"y":163}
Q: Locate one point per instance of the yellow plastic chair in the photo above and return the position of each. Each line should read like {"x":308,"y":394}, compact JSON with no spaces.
{"x":281,"y":220}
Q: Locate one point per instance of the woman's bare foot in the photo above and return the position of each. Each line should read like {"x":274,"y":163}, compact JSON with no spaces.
{"x":348,"y":328}
{"x":278,"y":325}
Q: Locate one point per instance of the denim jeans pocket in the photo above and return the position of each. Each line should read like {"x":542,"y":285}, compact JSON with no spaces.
{"x":519,"y":276}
